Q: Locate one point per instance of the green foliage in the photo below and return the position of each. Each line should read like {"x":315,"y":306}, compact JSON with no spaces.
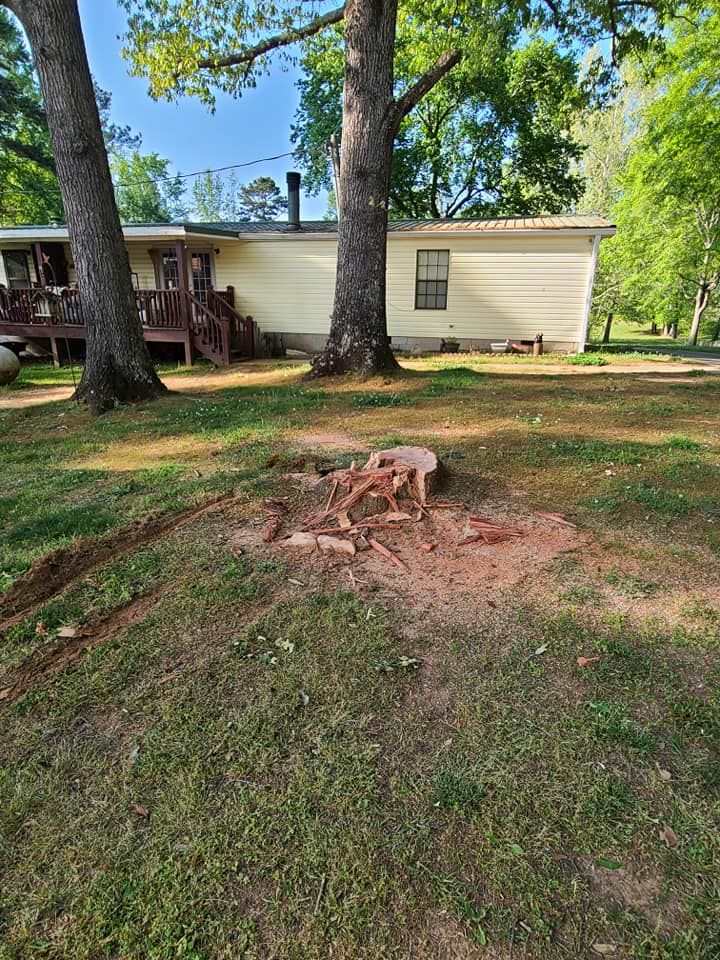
{"x":261,"y":200}
{"x":491,"y":139}
{"x":210,"y":198}
{"x":140,"y":198}
{"x":664,"y":263}
{"x":29,"y":191}
{"x":587,"y":360}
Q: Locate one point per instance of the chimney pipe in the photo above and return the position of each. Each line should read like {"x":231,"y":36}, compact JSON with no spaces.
{"x":293,"y":185}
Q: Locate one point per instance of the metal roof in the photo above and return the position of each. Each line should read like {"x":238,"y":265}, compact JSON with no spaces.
{"x":247,"y":228}
{"x":501,"y":225}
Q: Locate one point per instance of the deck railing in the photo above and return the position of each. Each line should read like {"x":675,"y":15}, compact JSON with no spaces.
{"x":217,"y":329}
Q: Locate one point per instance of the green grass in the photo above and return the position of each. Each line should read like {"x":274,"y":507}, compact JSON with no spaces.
{"x":267,"y":764}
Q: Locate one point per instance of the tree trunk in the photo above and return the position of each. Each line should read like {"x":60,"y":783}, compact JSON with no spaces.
{"x":607,"y":328}
{"x":118,"y":366}
{"x":701,"y":301}
{"x":358,"y":337}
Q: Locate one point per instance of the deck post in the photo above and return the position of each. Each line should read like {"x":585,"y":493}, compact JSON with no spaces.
{"x":182,"y":271}
{"x":37,"y":247}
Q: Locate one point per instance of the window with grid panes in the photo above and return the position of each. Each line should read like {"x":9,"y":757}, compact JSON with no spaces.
{"x":431,"y":279}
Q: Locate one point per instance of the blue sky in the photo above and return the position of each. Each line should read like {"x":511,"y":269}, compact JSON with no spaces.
{"x":257,"y":125}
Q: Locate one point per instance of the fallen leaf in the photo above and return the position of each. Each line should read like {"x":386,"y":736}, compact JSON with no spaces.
{"x":41,"y":629}
{"x":604,"y":949}
{"x":608,"y":864}
{"x":669,"y":836}
{"x":396,"y":516}
{"x":428,"y":547}
{"x":140,"y":810}
{"x":5,"y":693}
{"x":295,"y":583}
{"x":287,"y":645}
{"x":67,"y":632}
{"x":663,"y":774}
{"x":540,"y":649}
{"x":304,"y":698}
{"x":586,"y":661}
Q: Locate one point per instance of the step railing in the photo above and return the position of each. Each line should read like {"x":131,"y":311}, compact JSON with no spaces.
{"x":210,"y":332}
{"x":242,"y":329}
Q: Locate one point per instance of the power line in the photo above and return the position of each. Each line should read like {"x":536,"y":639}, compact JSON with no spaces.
{"x":199,"y":173}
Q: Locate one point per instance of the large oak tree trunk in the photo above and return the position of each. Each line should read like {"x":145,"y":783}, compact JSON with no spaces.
{"x":118,"y":366}
{"x":358,"y":333}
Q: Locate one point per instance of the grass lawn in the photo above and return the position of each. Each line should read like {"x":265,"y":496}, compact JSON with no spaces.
{"x":215,"y":748}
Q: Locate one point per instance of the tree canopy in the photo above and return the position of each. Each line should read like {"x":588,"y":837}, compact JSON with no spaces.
{"x":664,"y":188}
{"x":146,"y":191}
{"x":493,"y":139}
{"x":29,"y":192}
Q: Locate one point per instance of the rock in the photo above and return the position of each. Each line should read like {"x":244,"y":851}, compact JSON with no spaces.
{"x":336,"y":545}
{"x":308,"y":541}
{"x":9,"y":366}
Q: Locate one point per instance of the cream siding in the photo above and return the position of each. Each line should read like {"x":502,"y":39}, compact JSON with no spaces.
{"x":141,"y":265}
{"x":287,"y":285}
{"x":499,"y":286}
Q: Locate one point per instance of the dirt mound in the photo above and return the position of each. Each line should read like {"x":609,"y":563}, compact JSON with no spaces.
{"x":54,"y":572}
{"x":56,"y":656}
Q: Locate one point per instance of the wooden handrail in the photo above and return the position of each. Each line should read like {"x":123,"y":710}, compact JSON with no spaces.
{"x":211,"y":332}
{"x":242,"y":329}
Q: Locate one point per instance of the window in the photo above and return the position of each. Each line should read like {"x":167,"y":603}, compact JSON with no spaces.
{"x":168,"y":262}
{"x":17,"y":270}
{"x":431,"y":279}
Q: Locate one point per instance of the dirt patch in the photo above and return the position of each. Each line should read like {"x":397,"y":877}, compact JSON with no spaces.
{"x":640,"y":892}
{"x":449,"y":580}
{"x":55,"y":657}
{"x":53,"y":573}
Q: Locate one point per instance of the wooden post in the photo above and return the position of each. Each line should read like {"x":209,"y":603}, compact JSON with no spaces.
{"x":37,"y":247}
{"x":182,"y":272}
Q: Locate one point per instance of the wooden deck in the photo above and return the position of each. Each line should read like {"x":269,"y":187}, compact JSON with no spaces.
{"x":211,"y":328}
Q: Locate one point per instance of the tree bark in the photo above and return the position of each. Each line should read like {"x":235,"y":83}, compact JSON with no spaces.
{"x":358,"y":339}
{"x":358,"y":333}
{"x":118,"y":368}
{"x":702,"y":298}
{"x":607,"y":328}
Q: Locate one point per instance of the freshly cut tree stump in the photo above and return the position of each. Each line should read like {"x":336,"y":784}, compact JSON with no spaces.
{"x":420,"y":464}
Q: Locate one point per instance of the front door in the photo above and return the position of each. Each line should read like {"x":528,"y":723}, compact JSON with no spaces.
{"x":53,"y":269}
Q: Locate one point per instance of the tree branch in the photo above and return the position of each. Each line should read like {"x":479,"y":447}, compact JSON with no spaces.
{"x":250,"y":54}
{"x":424,"y":85}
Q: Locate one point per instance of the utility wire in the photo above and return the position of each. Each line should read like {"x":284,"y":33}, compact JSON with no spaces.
{"x":199,"y":173}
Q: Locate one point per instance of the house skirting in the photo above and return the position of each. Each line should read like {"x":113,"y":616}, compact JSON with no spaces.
{"x":314,"y":343}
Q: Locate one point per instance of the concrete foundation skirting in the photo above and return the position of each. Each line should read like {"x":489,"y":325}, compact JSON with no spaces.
{"x":314,"y":342}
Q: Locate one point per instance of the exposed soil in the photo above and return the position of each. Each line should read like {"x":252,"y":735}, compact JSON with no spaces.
{"x":450,"y":580}
{"x":59,"y":654}
{"x":641,"y":893}
{"x":54,"y":572}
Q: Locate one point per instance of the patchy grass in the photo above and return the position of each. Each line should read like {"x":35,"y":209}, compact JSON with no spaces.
{"x":267,"y":763}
